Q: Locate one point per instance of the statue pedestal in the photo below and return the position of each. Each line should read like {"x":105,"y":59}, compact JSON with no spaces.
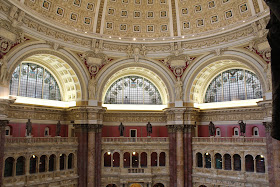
{"x":29,"y":136}
{"x":58,"y":136}
{"x":92,"y":103}
{"x":4,"y":92}
{"x":149,"y":136}
{"x":178,"y":103}
{"x":268,"y":96}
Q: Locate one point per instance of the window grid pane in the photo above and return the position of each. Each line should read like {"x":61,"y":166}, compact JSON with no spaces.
{"x":14,"y":81}
{"x":132,"y":90}
{"x":29,"y":81}
{"x":231,"y":86}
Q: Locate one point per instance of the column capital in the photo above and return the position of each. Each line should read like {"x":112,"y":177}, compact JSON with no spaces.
{"x":268,"y":126}
{"x":88,"y":127}
{"x":4,"y":122}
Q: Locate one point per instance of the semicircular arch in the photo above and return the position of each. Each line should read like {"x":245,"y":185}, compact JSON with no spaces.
{"x":204,"y":69}
{"x":147,"y":69}
{"x":66,"y":68}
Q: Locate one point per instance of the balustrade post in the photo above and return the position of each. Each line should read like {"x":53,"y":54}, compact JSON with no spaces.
{"x":158,"y":154}
{"x":66,"y":162}
{"x":14,"y":168}
{"x":243,"y":162}
{"x":57,"y":162}
{"x":232,"y":162}
{"x":121,"y":160}
{"x":149,"y":159}
{"x":37,"y":164}
{"x":213,"y":161}
{"x":27,"y":165}
{"x":47,"y":163}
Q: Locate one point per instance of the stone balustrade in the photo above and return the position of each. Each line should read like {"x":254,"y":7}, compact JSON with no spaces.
{"x":51,"y":161}
{"x":136,"y":139}
{"x":229,"y":161}
{"x":56,"y":178}
{"x":37,"y":140}
{"x":228,"y":140}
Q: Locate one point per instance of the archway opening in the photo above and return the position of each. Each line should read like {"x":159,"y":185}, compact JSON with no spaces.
{"x":158,"y":185}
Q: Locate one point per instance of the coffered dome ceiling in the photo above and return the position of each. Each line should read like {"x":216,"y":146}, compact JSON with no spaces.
{"x":140,"y":20}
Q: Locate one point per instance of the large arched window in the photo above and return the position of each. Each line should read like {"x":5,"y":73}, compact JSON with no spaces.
{"x":133,"y":90}
{"x":234,"y":84}
{"x":32,"y":80}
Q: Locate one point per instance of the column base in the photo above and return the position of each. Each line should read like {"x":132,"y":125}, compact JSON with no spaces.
{"x":92,"y":103}
{"x":178,"y":103}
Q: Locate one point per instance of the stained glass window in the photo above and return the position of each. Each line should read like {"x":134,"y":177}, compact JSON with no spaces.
{"x":32,"y":80}
{"x":234,"y":84}
{"x":133,"y":90}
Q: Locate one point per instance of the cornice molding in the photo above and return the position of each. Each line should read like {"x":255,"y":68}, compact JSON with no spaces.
{"x":68,"y":37}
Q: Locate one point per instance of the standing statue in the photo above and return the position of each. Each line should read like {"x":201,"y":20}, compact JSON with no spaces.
{"x":274,"y":41}
{"x":178,"y":89}
{"x":242,"y":126}
{"x":91,"y":88}
{"x":268,"y":76}
{"x":149,"y":129}
{"x":212,"y":129}
{"x":3,"y":71}
{"x":121,"y":129}
{"x":28,"y":128}
{"x":58,"y":128}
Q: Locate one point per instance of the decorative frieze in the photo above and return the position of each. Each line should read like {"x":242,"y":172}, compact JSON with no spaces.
{"x":135,"y":117}
{"x":232,"y":114}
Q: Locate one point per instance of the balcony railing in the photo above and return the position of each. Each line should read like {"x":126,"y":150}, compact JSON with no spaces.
{"x":31,"y":140}
{"x":241,"y":140}
{"x":136,"y":139}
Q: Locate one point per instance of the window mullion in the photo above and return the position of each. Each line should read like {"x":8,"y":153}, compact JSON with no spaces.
{"x":43,"y":84}
{"x":19,"y":78}
{"x":245,"y":85}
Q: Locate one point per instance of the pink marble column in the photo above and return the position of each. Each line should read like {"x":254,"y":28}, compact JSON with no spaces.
{"x":91,"y":156}
{"x":186,"y":157}
{"x":172,"y":156}
{"x":189,"y":155}
{"x":81,"y":133}
{"x":3,"y":123}
{"x":98,"y":137}
{"x":272,"y":160}
{"x":180,"y":155}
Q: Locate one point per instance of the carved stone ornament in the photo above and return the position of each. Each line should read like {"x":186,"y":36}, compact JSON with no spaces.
{"x":177,"y":63}
{"x":268,"y":126}
{"x":94,"y":61}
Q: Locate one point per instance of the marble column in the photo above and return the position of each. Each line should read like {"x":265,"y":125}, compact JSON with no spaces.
{"x":3,"y":123}
{"x":91,"y":157}
{"x":190,"y":130}
{"x":172,"y":155}
{"x":98,"y":137}
{"x":272,"y":160}
{"x":81,"y":133}
{"x":186,"y":160}
{"x":180,"y":155}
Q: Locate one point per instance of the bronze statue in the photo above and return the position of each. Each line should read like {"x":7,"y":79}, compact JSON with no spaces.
{"x":149,"y":129}
{"x":242,"y":126}
{"x":58,"y":128}
{"x":121,"y":129}
{"x":274,"y":41}
{"x":212,"y":129}
{"x":28,"y":128}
